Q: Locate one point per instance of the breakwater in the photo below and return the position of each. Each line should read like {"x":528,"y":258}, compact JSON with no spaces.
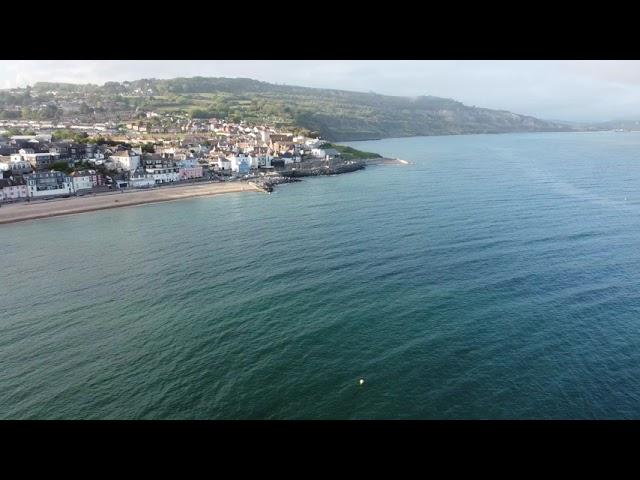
{"x":268,"y":184}
{"x":331,"y":169}
{"x":318,"y":168}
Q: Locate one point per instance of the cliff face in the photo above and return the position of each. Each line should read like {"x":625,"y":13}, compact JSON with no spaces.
{"x":413,"y":120}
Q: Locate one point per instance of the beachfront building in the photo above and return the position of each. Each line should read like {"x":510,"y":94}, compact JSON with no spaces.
{"x":81,"y":182}
{"x":86,"y":180}
{"x":222,"y":164}
{"x":48,"y":184}
{"x":12,"y":190}
{"x":263,"y":161}
{"x":189,"y":168}
{"x":164,"y":175}
{"x":141,"y":179}
{"x":125,"y":160}
{"x":240,"y":163}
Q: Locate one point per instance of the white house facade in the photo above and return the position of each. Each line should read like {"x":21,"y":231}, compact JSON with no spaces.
{"x":126,"y":160}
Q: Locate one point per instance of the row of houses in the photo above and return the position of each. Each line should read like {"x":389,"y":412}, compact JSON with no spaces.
{"x":98,"y":127}
{"x":232,"y":149}
{"x":48,"y":184}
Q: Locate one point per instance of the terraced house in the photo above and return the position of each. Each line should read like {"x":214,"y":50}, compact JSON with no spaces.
{"x":48,"y":184}
{"x":12,"y":190}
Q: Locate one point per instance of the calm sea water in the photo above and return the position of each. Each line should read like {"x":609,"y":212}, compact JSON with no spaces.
{"x":497,"y":276}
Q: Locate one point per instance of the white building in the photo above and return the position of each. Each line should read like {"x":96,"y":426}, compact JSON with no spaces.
{"x":141,"y":180}
{"x":126,"y":160}
{"x":36,"y":160}
{"x":11,"y":191}
{"x":325,"y":153}
{"x":82,"y":182}
{"x":260,"y":161}
{"x":224,"y":164}
{"x":164,"y":175}
{"x":240,"y":163}
{"x":86,"y":179}
{"x":48,"y":184}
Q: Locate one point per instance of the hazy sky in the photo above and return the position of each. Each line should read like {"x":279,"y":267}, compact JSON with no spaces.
{"x":561,"y":90}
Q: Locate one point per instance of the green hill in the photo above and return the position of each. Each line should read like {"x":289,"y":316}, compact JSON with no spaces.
{"x":336,"y":115}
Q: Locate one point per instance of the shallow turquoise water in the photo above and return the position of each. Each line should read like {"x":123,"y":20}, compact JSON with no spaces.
{"x":497,"y":276}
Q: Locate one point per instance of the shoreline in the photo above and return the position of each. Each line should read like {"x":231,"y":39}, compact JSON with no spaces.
{"x":23,"y":211}
{"x":357,"y":140}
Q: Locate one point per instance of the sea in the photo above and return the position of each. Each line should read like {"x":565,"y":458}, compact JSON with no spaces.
{"x":492,"y":277}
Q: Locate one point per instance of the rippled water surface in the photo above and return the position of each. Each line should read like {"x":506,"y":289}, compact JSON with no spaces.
{"x":496,"y":276}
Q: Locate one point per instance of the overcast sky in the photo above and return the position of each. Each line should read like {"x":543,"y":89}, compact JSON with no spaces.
{"x":556,"y":90}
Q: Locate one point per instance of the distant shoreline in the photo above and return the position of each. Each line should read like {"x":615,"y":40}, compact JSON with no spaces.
{"x":358,"y":140}
{"x":23,"y":211}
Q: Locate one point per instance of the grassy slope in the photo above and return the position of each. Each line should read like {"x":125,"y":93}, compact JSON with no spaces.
{"x":349,"y":153}
{"x":334,"y":114}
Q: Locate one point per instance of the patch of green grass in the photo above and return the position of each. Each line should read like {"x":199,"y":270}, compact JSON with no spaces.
{"x":349,"y":153}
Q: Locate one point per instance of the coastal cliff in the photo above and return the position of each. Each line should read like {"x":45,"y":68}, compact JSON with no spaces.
{"x":335,"y":115}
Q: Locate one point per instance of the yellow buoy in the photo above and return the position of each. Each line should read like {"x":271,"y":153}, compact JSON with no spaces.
{"x":361,"y":381}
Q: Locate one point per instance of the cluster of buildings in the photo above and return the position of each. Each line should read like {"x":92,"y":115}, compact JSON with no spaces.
{"x":38,"y":166}
{"x":104,"y":128}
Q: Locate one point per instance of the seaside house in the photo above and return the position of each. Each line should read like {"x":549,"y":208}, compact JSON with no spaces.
{"x":164,"y":175}
{"x":86,"y":180}
{"x":48,"y":184}
{"x":325,"y":153}
{"x":222,"y":164}
{"x":189,"y":168}
{"x":125,"y":160}
{"x":141,"y":179}
{"x":81,"y":182}
{"x":12,"y":190}
{"x":240,"y":163}
{"x":262,"y":160}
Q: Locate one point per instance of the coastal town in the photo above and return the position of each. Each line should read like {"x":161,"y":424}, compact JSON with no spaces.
{"x":45,"y":161}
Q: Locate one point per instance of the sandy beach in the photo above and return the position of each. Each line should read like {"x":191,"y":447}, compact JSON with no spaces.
{"x":43,"y":209}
